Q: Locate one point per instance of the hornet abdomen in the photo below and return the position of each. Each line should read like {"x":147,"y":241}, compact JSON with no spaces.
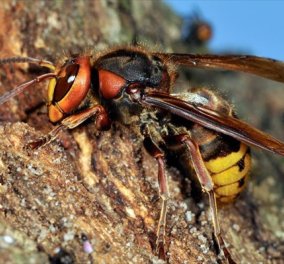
{"x":227,"y":160}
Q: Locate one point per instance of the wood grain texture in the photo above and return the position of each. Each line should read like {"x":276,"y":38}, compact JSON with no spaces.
{"x":103,"y":185}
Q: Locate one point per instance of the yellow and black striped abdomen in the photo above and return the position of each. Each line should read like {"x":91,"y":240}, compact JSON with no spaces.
{"x":229,"y":163}
{"x":227,"y":160}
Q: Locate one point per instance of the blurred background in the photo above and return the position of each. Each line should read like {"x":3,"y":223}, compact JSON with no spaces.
{"x":254,"y":27}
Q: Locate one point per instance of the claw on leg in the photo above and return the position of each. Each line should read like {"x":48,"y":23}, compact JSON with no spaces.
{"x":45,"y":139}
{"x":217,"y":231}
{"x":102,"y":122}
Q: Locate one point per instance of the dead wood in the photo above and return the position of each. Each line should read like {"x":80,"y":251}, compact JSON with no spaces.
{"x":104,"y":185}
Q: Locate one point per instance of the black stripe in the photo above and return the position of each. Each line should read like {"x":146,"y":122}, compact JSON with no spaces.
{"x":241,"y":162}
{"x":242,"y":181}
{"x":220,"y":146}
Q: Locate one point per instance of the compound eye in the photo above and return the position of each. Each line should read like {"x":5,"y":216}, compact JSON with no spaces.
{"x":64,"y":83}
{"x":69,"y":89}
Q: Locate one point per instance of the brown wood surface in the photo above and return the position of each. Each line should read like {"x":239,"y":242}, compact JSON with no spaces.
{"x":105,"y":185}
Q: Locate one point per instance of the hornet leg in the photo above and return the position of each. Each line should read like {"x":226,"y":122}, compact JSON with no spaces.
{"x":72,"y":121}
{"x":155,"y":152}
{"x":207,"y":186}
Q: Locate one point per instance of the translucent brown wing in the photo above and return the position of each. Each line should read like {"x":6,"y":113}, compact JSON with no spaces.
{"x":227,"y":125}
{"x":264,"y":67}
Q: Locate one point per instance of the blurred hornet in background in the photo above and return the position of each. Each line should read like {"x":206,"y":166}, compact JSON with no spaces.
{"x":197,"y":30}
{"x":128,"y":82}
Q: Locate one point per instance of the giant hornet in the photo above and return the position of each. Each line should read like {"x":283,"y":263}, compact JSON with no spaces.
{"x":130,"y":81}
{"x":198,"y":31}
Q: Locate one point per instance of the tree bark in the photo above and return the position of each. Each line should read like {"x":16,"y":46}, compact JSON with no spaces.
{"x":104,"y":185}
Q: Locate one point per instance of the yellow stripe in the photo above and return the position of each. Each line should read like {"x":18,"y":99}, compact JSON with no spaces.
{"x":222,"y":163}
{"x":50,"y":91}
{"x":227,"y":199}
{"x":233,"y":174}
{"x":231,"y":189}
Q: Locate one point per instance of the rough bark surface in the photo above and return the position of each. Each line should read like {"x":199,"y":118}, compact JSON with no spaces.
{"x":105,"y":185}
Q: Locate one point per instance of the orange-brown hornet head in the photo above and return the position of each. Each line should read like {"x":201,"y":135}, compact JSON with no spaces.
{"x":69,"y":88}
